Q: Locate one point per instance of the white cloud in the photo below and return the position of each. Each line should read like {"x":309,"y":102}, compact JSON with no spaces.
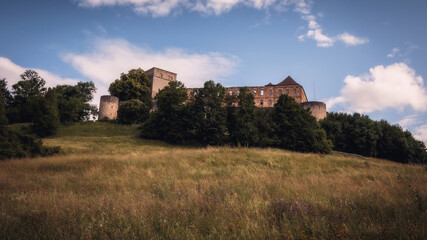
{"x":12,"y":72}
{"x":421,"y":133}
{"x":393,"y":53}
{"x":160,"y":8}
{"x":315,"y":32}
{"x":110,"y":58}
{"x":409,"y":121}
{"x":395,"y":86}
{"x":351,"y":40}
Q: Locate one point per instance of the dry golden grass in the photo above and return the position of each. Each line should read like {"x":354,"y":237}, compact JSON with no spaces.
{"x":110,"y":184}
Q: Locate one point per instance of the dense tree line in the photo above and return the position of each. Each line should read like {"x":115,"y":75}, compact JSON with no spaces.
{"x":360,"y":135}
{"x":210,"y":117}
{"x":30,"y":101}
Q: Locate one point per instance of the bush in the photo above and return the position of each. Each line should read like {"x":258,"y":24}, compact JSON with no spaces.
{"x":132,"y":112}
{"x":17,"y":145}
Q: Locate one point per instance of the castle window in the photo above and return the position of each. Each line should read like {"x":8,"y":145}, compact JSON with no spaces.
{"x":295,"y":91}
{"x":261,"y":102}
{"x":287,"y":91}
{"x":238,"y":92}
{"x":161,"y":75}
{"x":262,"y":94}
{"x":254,"y":92}
{"x":269,"y":102}
{"x":230,"y":93}
{"x":280,"y":92}
{"x":270,"y":92}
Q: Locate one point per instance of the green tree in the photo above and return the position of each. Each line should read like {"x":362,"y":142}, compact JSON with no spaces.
{"x":31,"y":85}
{"x":6,"y":93}
{"x":45,"y":111}
{"x":73,"y":102}
{"x":352,"y":133}
{"x":3,"y":119}
{"x":246,"y":131}
{"x":132,"y":85}
{"x":297,"y":129}
{"x":132,"y":112}
{"x":171,"y":121}
{"x":210,"y":118}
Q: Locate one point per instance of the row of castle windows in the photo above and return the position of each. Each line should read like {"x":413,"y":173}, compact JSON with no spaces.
{"x":261,"y":102}
{"x":270,"y":92}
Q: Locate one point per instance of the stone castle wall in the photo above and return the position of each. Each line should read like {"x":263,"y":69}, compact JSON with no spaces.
{"x":159,"y":79}
{"x":108,"y":107}
{"x":317,"y":109}
{"x":267,"y":96}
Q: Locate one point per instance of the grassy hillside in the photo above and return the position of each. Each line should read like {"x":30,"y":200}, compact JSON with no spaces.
{"x":110,"y":184}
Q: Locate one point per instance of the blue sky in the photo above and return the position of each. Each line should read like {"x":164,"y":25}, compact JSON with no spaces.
{"x":364,"y":56}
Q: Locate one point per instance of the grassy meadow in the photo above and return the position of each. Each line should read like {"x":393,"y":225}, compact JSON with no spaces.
{"x":109,"y":184}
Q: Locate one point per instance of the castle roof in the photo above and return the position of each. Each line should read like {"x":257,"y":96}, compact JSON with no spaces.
{"x":288,"y":81}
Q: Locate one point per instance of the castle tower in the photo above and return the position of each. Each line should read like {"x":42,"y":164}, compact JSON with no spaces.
{"x":108,"y":107}
{"x":317,"y":109}
{"x":159,"y":79}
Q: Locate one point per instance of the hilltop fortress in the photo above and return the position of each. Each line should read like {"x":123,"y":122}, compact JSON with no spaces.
{"x":265,"y":96}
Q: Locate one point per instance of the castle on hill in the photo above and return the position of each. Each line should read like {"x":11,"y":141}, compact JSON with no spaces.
{"x":264,"y":96}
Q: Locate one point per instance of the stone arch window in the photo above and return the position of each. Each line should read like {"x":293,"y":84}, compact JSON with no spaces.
{"x":254,"y":92}
{"x":161,"y":75}
{"x":270,"y":92}
{"x":261,"y":102}
{"x":230,"y":93}
{"x":269,"y":102}
{"x":287,"y":91}
{"x":262,"y":93}
{"x":295,"y":91}
{"x":280,"y":92}
{"x":238,"y":93}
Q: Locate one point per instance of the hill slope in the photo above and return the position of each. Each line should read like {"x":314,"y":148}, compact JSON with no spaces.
{"x":111,"y":184}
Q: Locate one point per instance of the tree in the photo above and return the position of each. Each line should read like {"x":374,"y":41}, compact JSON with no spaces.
{"x":46,"y":118}
{"x":352,"y":133}
{"x":132,"y":112}
{"x":297,"y":129}
{"x":31,"y":84}
{"x":209,"y":115}
{"x":133,"y":85}
{"x":3,"y":119}
{"x":6,"y":93}
{"x":361,"y":135}
{"x":246,"y":131}
{"x":171,"y":121}
{"x":73,"y":102}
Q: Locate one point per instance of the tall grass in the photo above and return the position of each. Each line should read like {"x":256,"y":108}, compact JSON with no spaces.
{"x":110,"y":184}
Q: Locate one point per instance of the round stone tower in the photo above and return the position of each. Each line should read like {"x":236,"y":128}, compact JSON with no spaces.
{"x":108,"y":107}
{"x":318,"y":109}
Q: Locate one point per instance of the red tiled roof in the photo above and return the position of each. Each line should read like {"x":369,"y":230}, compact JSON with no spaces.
{"x":288,"y":81}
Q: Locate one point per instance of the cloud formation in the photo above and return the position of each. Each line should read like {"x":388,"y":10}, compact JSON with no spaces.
{"x":395,"y":86}
{"x":111,"y":57}
{"x":161,"y":8}
{"x":421,"y":133}
{"x":12,"y":72}
{"x":315,"y":31}
{"x":393,"y":53}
